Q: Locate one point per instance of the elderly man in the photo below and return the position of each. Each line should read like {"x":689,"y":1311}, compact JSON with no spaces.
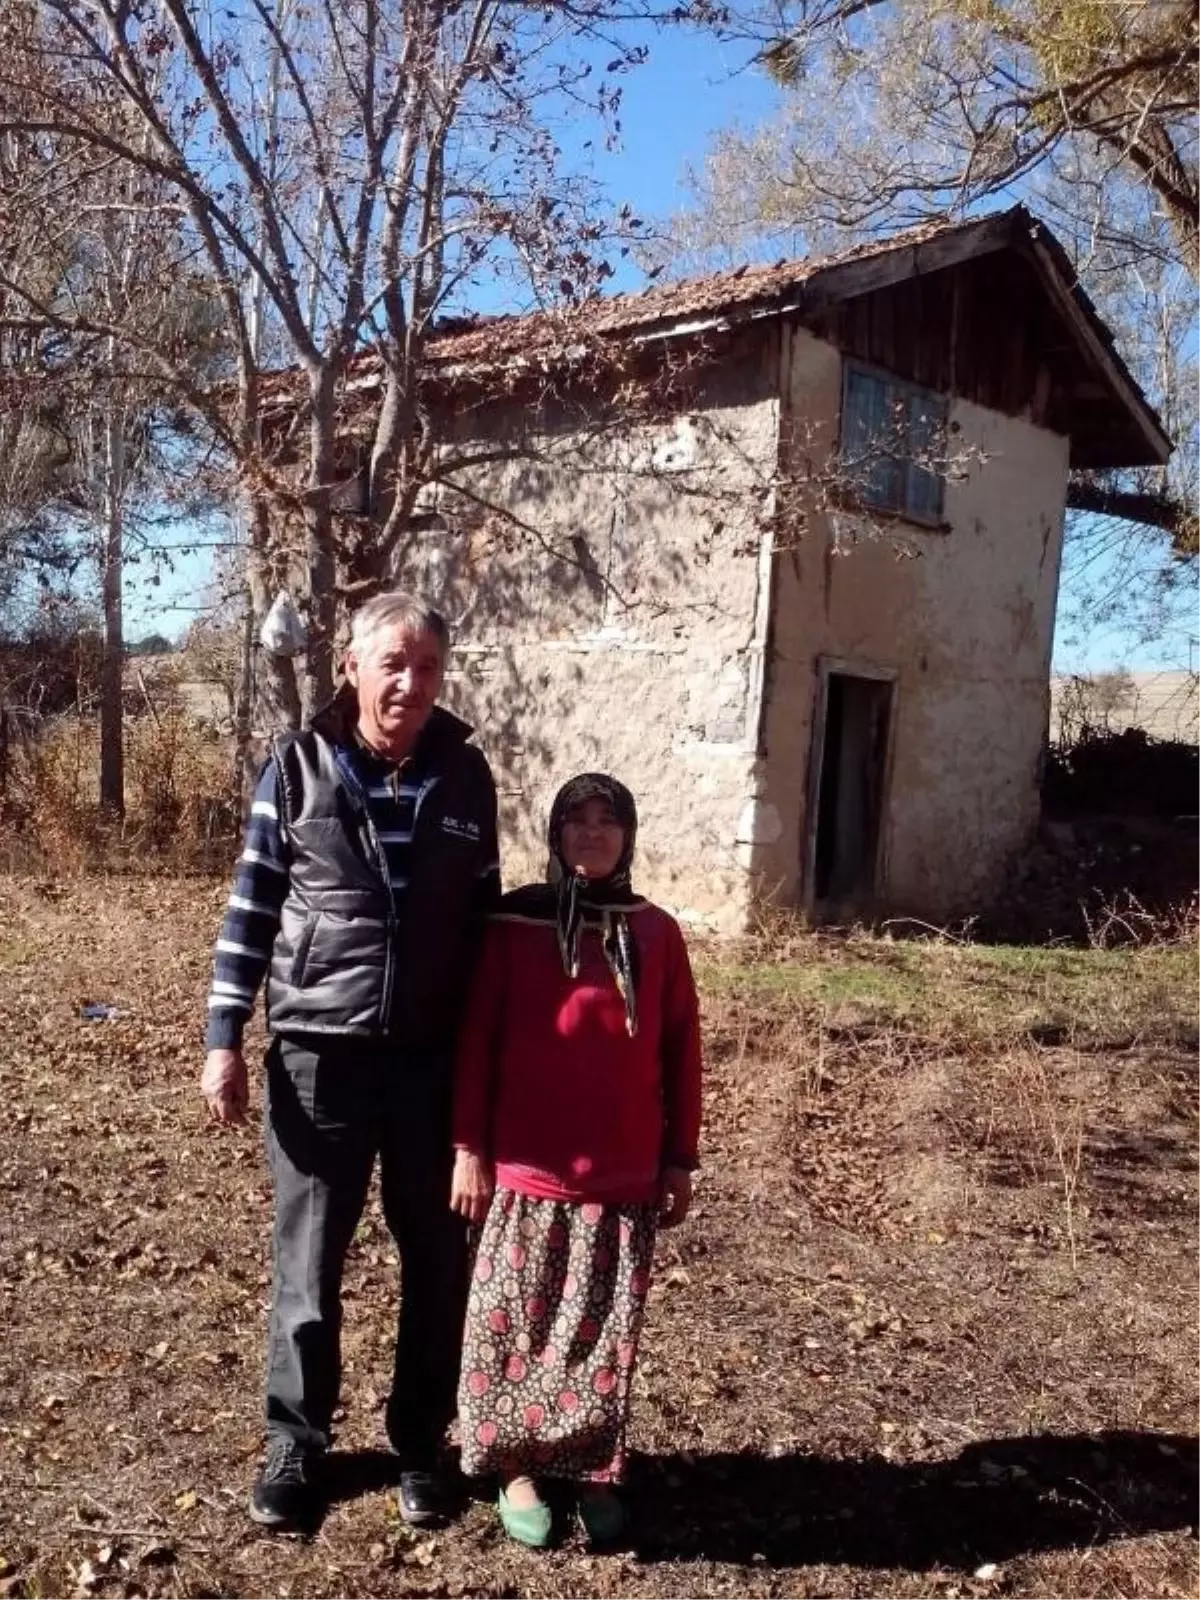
{"x":370,"y":861}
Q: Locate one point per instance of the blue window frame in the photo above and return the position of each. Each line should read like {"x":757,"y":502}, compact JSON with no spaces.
{"x":893,"y":443}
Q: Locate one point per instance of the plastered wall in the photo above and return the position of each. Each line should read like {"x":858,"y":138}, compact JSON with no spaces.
{"x":964,"y":618}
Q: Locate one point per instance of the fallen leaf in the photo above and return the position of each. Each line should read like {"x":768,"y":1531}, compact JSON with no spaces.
{"x":157,"y":1555}
{"x":187,"y":1500}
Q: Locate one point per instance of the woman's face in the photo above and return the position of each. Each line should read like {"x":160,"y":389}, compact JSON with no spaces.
{"x":592,"y":839}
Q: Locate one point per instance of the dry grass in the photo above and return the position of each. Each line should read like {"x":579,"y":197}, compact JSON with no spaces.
{"x":931,"y":1330}
{"x":178,"y":800}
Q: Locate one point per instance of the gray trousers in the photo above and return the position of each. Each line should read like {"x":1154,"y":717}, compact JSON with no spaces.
{"x":332,"y":1106}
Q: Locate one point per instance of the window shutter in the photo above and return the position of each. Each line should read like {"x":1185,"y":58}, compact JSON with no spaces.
{"x":892,"y":443}
{"x":926,"y":448}
{"x":868,"y":432}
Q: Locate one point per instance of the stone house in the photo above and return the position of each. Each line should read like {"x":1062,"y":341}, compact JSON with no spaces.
{"x":780,"y":548}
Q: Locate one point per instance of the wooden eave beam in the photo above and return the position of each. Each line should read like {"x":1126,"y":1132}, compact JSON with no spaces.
{"x":1102,"y":359}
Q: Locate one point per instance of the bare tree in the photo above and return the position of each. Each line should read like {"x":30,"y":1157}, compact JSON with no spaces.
{"x":112,"y":432}
{"x":899,"y":111}
{"x":346,"y":171}
{"x":91,"y":249}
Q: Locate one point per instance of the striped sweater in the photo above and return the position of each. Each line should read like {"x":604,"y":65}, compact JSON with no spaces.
{"x":252,"y":913}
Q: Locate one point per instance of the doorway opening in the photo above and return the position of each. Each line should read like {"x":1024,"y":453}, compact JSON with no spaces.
{"x":852,"y":756}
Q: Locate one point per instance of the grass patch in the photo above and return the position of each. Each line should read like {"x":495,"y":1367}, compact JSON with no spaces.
{"x":973,"y":993}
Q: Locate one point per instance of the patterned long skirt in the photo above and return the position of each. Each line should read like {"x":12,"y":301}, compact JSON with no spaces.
{"x":555,"y":1313}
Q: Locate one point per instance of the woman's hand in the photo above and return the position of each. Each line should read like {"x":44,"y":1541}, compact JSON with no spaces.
{"x":471,"y":1186}
{"x":674,"y":1196}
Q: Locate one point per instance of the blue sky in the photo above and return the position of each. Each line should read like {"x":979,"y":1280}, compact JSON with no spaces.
{"x":1173,"y":625}
{"x":689,"y":88}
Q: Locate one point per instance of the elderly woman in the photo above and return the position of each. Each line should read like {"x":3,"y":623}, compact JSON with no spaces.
{"x":577,"y":1112}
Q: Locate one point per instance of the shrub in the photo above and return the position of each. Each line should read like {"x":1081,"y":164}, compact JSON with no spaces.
{"x":179,"y":805}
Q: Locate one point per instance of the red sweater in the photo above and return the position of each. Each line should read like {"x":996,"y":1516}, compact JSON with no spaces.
{"x":550,"y":1086}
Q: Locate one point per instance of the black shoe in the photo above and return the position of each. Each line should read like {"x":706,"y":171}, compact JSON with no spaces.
{"x":425,"y":1499}
{"x":284,"y":1496}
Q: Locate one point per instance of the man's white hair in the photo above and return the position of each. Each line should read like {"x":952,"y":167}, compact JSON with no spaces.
{"x":397,"y":610}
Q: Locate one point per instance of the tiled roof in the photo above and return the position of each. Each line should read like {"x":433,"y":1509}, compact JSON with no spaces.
{"x":490,"y":348}
{"x":739,"y":290}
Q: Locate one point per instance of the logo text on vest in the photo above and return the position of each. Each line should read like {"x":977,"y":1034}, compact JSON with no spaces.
{"x":461,"y":828}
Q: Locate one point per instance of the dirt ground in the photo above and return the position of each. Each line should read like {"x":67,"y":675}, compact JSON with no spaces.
{"x":931,"y":1329}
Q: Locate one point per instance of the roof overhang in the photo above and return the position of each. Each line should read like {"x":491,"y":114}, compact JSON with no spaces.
{"x":931,"y":252}
{"x":491,"y":356}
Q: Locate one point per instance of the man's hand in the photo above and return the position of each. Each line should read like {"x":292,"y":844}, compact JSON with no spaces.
{"x":225,"y":1084}
{"x":674,"y":1196}
{"x":471,"y":1186}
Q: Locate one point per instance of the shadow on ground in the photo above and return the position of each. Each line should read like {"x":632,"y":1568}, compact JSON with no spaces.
{"x":350,"y":1474}
{"x":997,"y":1499}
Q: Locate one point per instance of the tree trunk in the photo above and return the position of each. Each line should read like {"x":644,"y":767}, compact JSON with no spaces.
{"x":277,"y":695}
{"x":242,"y":776}
{"x":112,"y":755}
{"x":322,"y":615}
{"x":321,"y":557}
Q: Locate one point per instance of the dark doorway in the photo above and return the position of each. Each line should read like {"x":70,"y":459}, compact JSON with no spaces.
{"x":853,"y":759}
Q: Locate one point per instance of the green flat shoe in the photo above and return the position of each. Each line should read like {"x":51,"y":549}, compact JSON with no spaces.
{"x":603,"y":1516}
{"x":532,"y":1527}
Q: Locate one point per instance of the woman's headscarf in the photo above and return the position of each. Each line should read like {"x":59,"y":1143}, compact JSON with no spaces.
{"x":572,"y":901}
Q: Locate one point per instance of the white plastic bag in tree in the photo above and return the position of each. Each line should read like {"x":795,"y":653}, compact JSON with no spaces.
{"x":283,"y":632}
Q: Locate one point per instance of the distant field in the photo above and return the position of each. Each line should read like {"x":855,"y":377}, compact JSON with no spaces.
{"x":932,"y":1330}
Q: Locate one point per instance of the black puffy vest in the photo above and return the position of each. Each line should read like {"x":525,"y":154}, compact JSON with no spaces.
{"x":343,"y":961}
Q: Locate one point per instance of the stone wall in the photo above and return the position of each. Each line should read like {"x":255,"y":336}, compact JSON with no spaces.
{"x":609,"y":595}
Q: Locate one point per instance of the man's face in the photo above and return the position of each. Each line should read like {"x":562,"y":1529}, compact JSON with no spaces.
{"x":398,"y":677}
